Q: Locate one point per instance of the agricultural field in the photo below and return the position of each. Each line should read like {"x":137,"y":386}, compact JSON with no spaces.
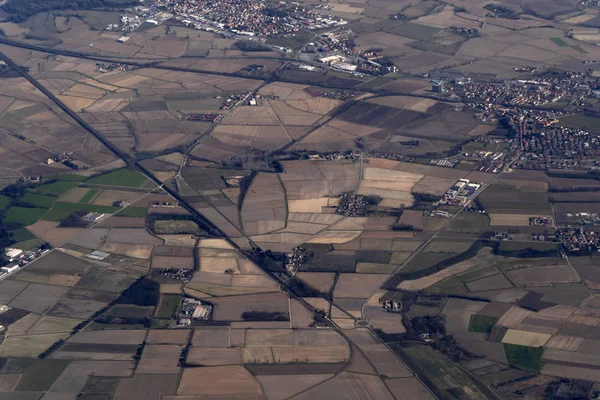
{"x":263,"y":156}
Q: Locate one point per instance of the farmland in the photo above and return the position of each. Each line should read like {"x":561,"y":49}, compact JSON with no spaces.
{"x":284,"y":200}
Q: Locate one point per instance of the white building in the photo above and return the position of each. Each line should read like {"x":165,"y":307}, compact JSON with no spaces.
{"x":9,"y":269}
{"x":13,"y":254}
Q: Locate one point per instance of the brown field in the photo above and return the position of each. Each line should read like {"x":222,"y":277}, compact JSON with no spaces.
{"x":211,"y":337}
{"x":135,"y":236}
{"x":171,"y":336}
{"x":38,"y":298}
{"x":567,"y":371}
{"x":570,"y":357}
{"x":484,"y":256}
{"x":311,"y":354}
{"x":48,"y":324}
{"x":524,"y":338}
{"x":9,"y":289}
{"x":225,"y":380}
{"x":49,"y":232}
{"x":146,"y":386}
{"x":218,"y":264}
{"x":569,"y":343}
{"x":172,"y":262}
{"x":257,"y":355}
{"x":544,"y":276}
{"x":514,"y":317}
{"x":492,"y":282}
{"x":110,"y":337}
{"x":433,"y":185}
{"x":214,"y":356}
{"x":122,"y":222}
{"x":21,"y":326}
{"x":142,"y":251}
{"x":349,"y":386}
{"x":159,"y":359}
{"x":280,"y":387}
{"x":512,"y":219}
{"x":448,"y":246}
{"x":29,"y":346}
{"x":409,"y":389}
{"x":357,"y":285}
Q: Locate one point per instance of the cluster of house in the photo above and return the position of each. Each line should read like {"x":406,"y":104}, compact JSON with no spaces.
{"x":460,"y":192}
{"x":18,"y":258}
{"x":192,"y":309}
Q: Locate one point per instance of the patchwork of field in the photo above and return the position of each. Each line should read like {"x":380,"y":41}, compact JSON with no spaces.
{"x":392,"y":124}
{"x":88,"y":306}
{"x":35,"y":129}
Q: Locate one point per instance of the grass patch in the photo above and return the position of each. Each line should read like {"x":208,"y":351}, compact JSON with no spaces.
{"x":590,"y":124}
{"x":168,"y":306}
{"x":580,"y":49}
{"x":23,"y":215}
{"x":20,"y":235}
{"x":69,"y":178}
{"x":89,"y":196}
{"x":469,"y":222}
{"x":63,"y":210}
{"x":38,"y":200}
{"x":482,"y":323}
{"x":159,"y":323}
{"x":559,"y":42}
{"x":413,"y":31}
{"x":58,"y":187}
{"x":41,"y":375}
{"x":295,"y":42}
{"x":166,"y":227}
{"x":119,"y":177}
{"x":4,"y":201}
{"x":27,"y":245}
{"x":524,"y":357}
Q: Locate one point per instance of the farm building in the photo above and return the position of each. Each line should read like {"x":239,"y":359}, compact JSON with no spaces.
{"x":13,"y":254}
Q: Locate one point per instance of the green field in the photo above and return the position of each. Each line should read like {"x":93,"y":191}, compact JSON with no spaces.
{"x":524,"y":357}
{"x":23,"y":215}
{"x":521,"y":246}
{"x":89,"y":196}
{"x":63,"y":210}
{"x":159,"y":323}
{"x":27,"y":245}
{"x":295,"y":42}
{"x":176,"y":227}
{"x":133,"y":212}
{"x":41,"y":375}
{"x":58,"y":187}
{"x":482,"y":323}
{"x":559,"y":42}
{"x":590,"y":124}
{"x":469,"y":222}
{"x":445,"y":378}
{"x":168,"y":306}
{"x":4,"y":201}
{"x":38,"y":200}
{"x":69,"y":177}
{"x":20,"y":235}
{"x":120,"y":177}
